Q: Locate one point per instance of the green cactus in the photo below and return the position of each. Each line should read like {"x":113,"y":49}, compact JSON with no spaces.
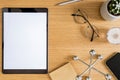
{"x":114,"y":7}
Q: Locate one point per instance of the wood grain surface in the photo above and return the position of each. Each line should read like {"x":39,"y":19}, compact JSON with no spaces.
{"x":66,"y":38}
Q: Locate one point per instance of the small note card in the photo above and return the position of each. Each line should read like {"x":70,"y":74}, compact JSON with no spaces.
{"x":65,"y":72}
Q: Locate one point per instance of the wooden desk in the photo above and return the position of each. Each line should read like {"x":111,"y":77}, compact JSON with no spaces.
{"x":65,"y":38}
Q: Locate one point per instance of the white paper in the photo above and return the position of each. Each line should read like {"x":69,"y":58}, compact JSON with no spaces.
{"x":25,"y":36}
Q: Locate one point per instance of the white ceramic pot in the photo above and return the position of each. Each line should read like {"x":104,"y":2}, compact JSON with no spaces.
{"x":105,"y":14}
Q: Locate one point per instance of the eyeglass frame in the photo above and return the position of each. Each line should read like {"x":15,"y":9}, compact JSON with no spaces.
{"x":88,"y":22}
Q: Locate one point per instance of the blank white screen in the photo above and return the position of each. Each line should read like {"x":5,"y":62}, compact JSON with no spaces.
{"x":25,"y":40}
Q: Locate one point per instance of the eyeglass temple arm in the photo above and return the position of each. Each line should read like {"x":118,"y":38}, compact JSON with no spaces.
{"x":91,"y":26}
{"x":92,"y":36}
{"x":93,"y":31}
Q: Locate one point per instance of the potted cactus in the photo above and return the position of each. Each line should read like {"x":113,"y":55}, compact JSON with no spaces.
{"x":110,"y":10}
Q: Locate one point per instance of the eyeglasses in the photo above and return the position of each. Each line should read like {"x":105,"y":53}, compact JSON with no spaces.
{"x":81,"y":17}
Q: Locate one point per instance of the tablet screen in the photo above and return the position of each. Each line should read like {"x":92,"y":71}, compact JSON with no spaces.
{"x":25,"y":40}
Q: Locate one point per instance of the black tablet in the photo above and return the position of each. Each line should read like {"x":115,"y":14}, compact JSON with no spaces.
{"x":24,"y":40}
